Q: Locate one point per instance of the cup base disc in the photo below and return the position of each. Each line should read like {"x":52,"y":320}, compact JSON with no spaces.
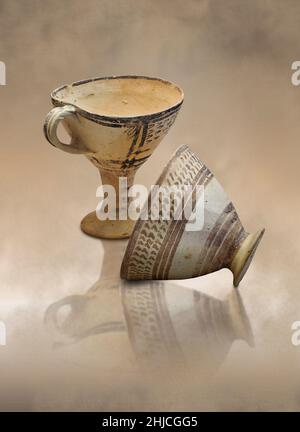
{"x":107,"y":229}
{"x":244,"y":256}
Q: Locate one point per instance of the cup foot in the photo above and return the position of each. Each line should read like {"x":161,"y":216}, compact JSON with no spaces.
{"x":243,"y":258}
{"x":107,"y":229}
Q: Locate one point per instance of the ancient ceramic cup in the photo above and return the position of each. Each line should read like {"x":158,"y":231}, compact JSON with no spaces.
{"x":116,"y":122}
{"x":165,"y":249}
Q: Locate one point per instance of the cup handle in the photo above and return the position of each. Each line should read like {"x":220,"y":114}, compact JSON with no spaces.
{"x":51,"y":314}
{"x":50,"y":129}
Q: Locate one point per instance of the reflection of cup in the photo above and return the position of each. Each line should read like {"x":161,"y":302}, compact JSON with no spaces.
{"x":165,"y":249}
{"x":116,"y":122}
{"x":87,"y":315}
{"x":98,"y":311}
{"x":165,"y":323}
{"x":172,"y":324}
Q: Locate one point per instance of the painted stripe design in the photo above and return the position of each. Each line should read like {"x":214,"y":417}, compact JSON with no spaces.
{"x":149,"y":322}
{"x":176,"y":229}
{"x":213,"y":254}
{"x":146,"y":137}
{"x":148,"y":237}
{"x":155,"y":244}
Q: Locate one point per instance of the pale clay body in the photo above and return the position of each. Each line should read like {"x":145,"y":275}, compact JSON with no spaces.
{"x":164,"y":249}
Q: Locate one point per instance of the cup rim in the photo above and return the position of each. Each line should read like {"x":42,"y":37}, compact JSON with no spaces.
{"x":58,"y":102}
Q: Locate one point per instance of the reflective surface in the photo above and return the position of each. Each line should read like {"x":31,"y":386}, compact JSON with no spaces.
{"x":241,"y":116}
{"x":166,"y":324}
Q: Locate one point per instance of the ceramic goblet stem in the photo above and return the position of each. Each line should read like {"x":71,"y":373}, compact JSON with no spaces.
{"x":112,"y":228}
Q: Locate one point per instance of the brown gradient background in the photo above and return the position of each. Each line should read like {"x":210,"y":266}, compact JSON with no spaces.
{"x":241,"y":115}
